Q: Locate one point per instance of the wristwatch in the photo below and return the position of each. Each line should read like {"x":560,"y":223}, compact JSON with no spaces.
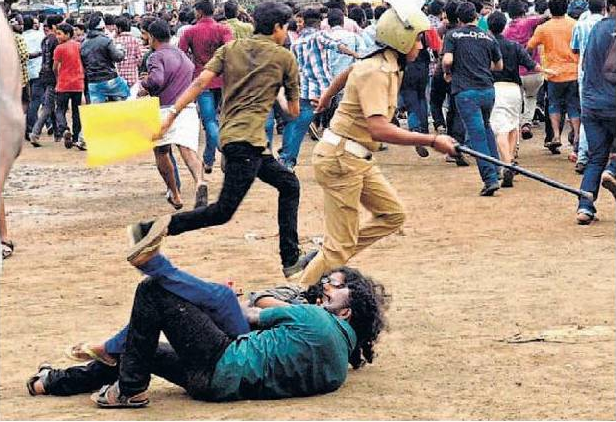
{"x":173,"y":111}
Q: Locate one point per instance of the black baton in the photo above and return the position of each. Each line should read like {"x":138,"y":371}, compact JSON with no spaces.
{"x":521,"y":170}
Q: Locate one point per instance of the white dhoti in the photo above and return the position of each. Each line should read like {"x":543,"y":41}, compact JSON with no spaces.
{"x":185,"y":128}
{"x":507,"y":109}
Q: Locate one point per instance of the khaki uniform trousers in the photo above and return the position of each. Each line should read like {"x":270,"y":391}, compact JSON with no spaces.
{"x":347,"y":182}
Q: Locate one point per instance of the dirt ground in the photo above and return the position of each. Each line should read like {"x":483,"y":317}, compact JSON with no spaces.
{"x":466,"y":274}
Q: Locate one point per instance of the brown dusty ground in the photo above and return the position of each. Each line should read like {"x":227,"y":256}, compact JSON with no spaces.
{"x":466,"y":273}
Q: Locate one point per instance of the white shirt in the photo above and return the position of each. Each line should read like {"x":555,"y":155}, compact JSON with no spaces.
{"x":33,"y":40}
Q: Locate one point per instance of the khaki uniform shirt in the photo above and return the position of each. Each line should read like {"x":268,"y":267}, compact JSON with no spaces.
{"x":253,"y":69}
{"x":371,"y":90}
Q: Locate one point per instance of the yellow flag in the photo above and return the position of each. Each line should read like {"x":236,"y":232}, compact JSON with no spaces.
{"x":119,"y":130}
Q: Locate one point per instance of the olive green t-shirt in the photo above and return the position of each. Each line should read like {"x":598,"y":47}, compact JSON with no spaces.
{"x":253,"y":69}
{"x":300,"y":350}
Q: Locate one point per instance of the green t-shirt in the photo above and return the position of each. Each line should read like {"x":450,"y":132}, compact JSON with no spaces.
{"x":300,"y":350}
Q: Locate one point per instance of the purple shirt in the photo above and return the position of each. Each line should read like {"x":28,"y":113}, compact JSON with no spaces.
{"x":170,"y":72}
{"x":202,"y":40}
{"x":521,"y":30}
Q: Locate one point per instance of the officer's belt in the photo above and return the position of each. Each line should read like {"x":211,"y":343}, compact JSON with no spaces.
{"x":350,"y":146}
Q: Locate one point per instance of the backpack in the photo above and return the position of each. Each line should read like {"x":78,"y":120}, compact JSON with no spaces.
{"x":609,"y":66}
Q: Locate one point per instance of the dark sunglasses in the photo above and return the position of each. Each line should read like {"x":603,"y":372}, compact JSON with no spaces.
{"x":335,"y":283}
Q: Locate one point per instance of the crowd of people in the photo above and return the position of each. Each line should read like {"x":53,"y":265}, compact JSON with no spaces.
{"x":482,"y":73}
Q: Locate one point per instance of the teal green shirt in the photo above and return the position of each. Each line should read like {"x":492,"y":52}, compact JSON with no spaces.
{"x":300,"y":350}
{"x":483,"y":23}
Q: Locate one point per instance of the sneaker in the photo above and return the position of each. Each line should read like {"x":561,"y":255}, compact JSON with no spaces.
{"x":580,"y":167}
{"x":81,"y":145}
{"x":201,"y":196}
{"x":146,"y":242}
{"x":207,"y":168}
{"x":608,"y":181}
{"x":422,"y":151}
{"x":68,"y":139}
{"x":294,"y":271}
{"x":488,"y":190}
{"x":526,"y":131}
{"x":584,"y":217}
{"x":507,"y":178}
{"x":34,"y":140}
{"x":461,"y":161}
{"x":110,"y":397}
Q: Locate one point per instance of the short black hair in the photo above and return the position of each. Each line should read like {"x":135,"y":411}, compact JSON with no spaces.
{"x":109,"y":19}
{"x":358,"y":15}
{"x":146,"y":21}
{"x":558,"y":7}
{"x":478,"y":5}
{"x":53,"y":20}
{"x":94,"y":21}
{"x":335,"y":17}
{"x":231,"y":8}
{"x":451,"y":11}
{"x":378,"y":11}
{"x":611,"y":3}
{"x":312,"y":17}
{"x":436,"y":7}
{"x":595,"y":6}
{"x":368,"y":10}
{"x":205,"y":6}
{"x":122,"y":24}
{"x":66,"y":28}
{"x":28,"y":23}
{"x":80,"y":26}
{"x":466,"y":12}
{"x":268,"y":14}
{"x":541,"y":6}
{"x":160,"y":30}
{"x":497,"y":22}
{"x":516,"y":9}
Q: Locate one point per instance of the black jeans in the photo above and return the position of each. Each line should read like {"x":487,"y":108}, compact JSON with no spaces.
{"x":439,"y":91}
{"x":244,"y":163}
{"x":37,"y":91}
{"x":62,"y":100}
{"x":48,"y":110}
{"x":197,"y":342}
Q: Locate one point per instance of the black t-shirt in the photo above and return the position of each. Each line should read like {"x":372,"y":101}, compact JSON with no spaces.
{"x":514,"y":56}
{"x":473,"y":50}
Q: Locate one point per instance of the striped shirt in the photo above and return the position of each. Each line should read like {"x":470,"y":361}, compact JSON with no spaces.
{"x":581,"y":33}
{"x":311,"y":50}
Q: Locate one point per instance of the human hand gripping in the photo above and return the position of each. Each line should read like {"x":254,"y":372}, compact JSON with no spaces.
{"x":444,"y":144}
{"x":164,"y":127}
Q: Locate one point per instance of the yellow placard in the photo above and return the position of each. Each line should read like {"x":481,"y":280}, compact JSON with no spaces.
{"x":119,"y":130}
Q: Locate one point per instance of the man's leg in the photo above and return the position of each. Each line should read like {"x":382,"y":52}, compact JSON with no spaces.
{"x":469,"y":107}
{"x":342,"y":193}
{"x":46,"y":110}
{"x":97,"y":92}
{"x":555,"y":110}
{"x":198,"y":342}
{"x":294,"y":133}
{"x":438,"y":93}
{"x":242,"y":164}
{"x":62,"y":99}
{"x":79,"y":379}
{"x":207,"y":109}
{"x":380,"y":198}
{"x":165,"y":168}
{"x":38,"y":92}
{"x":487,"y":104}
{"x":531,"y":83}
{"x":600,"y":133}
{"x":75,"y":103}
{"x":194,"y":164}
{"x":275,"y":174}
{"x":572,"y":99}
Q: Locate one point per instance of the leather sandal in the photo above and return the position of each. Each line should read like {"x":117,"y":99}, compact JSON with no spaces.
{"x":109,"y":397}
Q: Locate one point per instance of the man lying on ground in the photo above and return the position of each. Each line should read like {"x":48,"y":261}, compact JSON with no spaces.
{"x":299,"y":350}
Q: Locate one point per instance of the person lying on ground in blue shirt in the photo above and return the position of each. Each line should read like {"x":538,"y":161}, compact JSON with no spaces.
{"x":304,"y":342}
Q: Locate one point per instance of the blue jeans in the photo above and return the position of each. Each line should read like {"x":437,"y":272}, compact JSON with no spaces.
{"x":37,"y":90}
{"x":208,"y":104}
{"x":417,"y":109}
{"x":294,"y":133}
{"x":474,"y":107}
{"x":600,"y":132}
{"x":112,"y":90}
{"x":217,"y":300}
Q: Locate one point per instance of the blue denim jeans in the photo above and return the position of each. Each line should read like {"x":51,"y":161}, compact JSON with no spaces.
{"x":112,"y":90}
{"x":474,"y":107}
{"x":294,"y":133}
{"x":600,"y":132}
{"x":37,"y":90}
{"x":217,"y":300}
{"x":416,"y":105}
{"x":208,"y":105}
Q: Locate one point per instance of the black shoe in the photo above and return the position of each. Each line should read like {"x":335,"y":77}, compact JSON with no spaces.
{"x":422,"y":151}
{"x":295,"y":271}
{"x":507,"y":178}
{"x":527,"y":131}
{"x":554,"y":150}
{"x":488,"y":190}
{"x":580,"y":167}
{"x":461,"y":161}
{"x":68,"y":139}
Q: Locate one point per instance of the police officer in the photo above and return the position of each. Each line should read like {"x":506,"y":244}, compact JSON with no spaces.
{"x":343,"y":159}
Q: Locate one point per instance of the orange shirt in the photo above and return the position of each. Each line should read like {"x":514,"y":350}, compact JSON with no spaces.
{"x":555,"y":37}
